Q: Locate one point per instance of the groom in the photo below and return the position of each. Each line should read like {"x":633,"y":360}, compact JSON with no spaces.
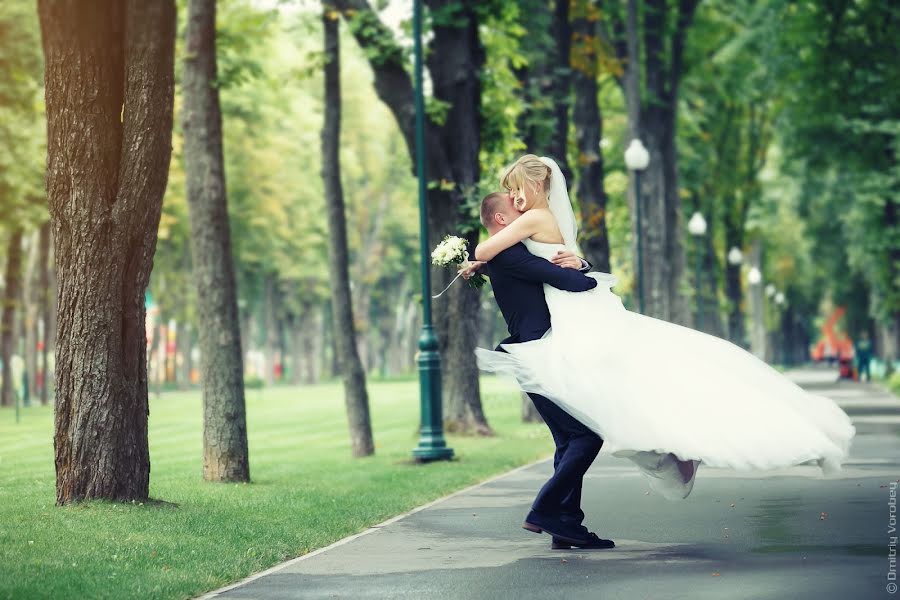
{"x":517,"y":278}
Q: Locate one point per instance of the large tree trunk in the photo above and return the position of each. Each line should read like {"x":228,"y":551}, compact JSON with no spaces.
{"x":589,"y":130}
{"x":455,"y":59}
{"x":561,"y":78}
{"x":109,"y":72}
{"x":653,"y":119}
{"x":545,"y":79}
{"x":45,"y":295}
{"x":225,"y":456}
{"x":11,"y":296}
{"x":355,"y":395}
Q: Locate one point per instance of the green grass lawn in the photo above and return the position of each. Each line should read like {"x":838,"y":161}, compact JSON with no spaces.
{"x":307,"y":492}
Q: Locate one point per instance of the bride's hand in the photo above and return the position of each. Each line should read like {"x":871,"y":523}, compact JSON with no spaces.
{"x":567,"y":259}
{"x":469,"y":268}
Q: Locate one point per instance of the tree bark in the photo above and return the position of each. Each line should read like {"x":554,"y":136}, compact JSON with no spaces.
{"x":562,"y":80}
{"x":653,"y":120}
{"x":455,"y":58}
{"x":11,"y":298}
{"x":545,"y":80}
{"x":355,"y":395}
{"x":109,"y":75}
{"x":225,"y":455}
{"x":588,"y":131}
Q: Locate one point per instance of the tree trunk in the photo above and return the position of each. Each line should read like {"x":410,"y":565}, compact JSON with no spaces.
{"x":455,"y":61}
{"x":711,"y":269}
{"x":29,"y":322}
{"x":462,"y":398}
{"x":108,"y":72}
{"x":355,"y":395}
{"x":45,"y":308}
{"x":561,"y":87}
{"x":271,"y":333}
{"x":225,"y":455}
{"x":315,"y":344}
{"x":758,"y":338}
{"x":187,"y":364}
{"x":589,"y":130}
{"x":295,"y":331}
{"x":734,"y":239}
{"x":653,"y":120}
{"x":455,"y":58}
{"x":530,"y":414}
{"x":11,"y":297}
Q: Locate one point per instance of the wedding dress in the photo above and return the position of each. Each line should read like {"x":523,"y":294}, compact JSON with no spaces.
{"x":662,"y":395}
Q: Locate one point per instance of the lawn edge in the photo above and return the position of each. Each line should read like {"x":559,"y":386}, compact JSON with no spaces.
{"x":215,"y":593}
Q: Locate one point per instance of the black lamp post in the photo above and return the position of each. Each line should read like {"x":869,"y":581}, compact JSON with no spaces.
{"x":697,"y":228}
{"x":636,"y":159}
{"x":432,"y":445}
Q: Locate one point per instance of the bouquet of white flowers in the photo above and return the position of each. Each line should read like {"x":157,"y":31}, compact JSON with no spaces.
{"x":453,"y":252}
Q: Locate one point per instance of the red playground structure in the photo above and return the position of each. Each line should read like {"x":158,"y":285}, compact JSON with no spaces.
{"x":835,"y":346}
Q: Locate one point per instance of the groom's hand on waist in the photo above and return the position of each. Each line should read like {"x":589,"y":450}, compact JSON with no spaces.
{"x":568,"y":260}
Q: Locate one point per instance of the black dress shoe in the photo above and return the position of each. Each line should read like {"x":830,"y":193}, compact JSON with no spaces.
{"x":594,"y":543}
{"x":565,"y":532}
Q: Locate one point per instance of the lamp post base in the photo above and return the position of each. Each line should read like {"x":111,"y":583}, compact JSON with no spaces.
{"x":432,"y":445}
{"x":426,"y":453}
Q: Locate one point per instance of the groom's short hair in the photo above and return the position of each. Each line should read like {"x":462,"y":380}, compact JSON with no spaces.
{"x":491,"y":205}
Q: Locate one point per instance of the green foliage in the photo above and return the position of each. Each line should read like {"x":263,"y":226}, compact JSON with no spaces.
{"x":841,"y":127}
{"x":893,"y":383}
{"x":380,"y":47}
{"x":272,"y":120}
{"x":22,"y":127}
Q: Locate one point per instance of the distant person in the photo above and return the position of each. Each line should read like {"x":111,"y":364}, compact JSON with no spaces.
{"x":863,"y":356}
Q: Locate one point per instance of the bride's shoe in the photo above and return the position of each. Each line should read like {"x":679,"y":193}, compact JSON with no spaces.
{"x":688,"y":469}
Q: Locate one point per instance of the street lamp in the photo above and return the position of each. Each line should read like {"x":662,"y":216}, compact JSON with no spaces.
{"x":770,"y":290}
{"x":779,"y":298}
{"x":636,"y":159}
{"x":735,"y":256}
{"x":431,"y":439}
{"x":754,"y":277}
{"x":697,"y":228}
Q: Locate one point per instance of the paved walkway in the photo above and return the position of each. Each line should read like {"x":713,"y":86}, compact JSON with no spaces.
{"x":789,"y":534}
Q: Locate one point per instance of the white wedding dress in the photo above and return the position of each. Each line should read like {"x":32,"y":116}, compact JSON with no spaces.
{"x":660,"y":394}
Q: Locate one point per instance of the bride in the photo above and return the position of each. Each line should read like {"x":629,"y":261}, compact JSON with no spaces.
{"x":664,"y":396}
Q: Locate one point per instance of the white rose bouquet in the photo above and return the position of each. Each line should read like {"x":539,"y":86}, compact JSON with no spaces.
{"x":453,"y":252}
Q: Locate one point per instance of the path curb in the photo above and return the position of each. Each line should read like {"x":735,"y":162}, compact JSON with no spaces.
{"x":370,"y":529}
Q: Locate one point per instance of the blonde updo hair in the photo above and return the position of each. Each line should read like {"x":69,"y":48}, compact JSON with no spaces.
{"x":527,"y":168}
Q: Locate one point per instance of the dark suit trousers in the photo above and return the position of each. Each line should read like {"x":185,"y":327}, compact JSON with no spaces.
{"x":576,"y":448}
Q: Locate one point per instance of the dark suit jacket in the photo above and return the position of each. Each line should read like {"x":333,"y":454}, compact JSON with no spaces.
{"x":518,"y":278}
